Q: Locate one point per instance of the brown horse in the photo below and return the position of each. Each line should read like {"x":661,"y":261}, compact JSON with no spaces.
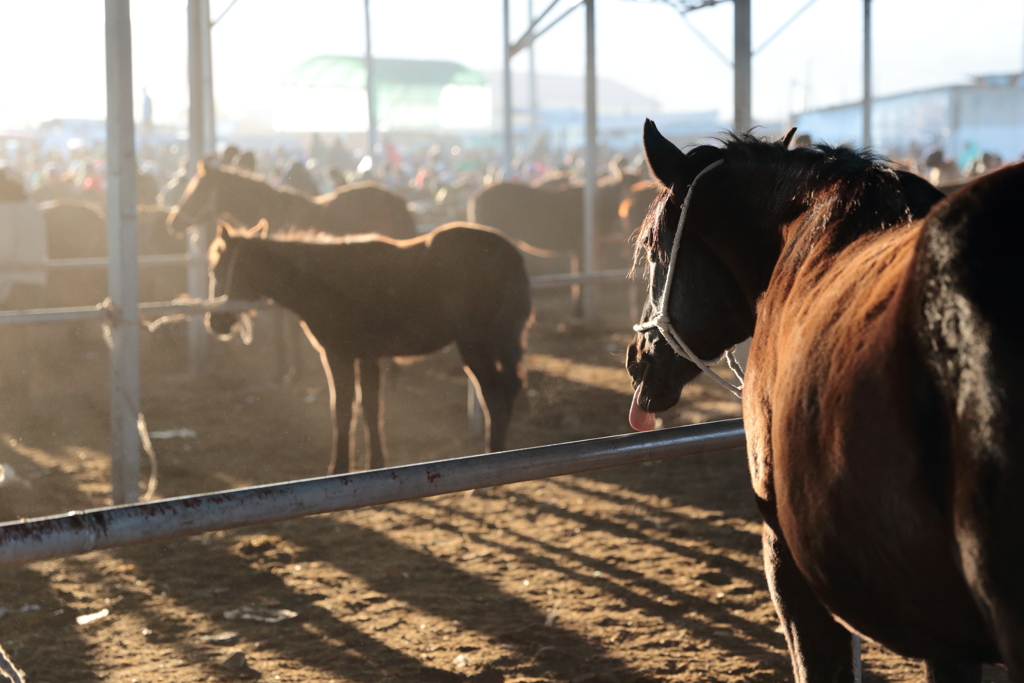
{"x":881,"y":390}
{"x":551,"y":217}
{"x":364,"y":297}
{"x":76,"y":229}
{"x":216,"y":192}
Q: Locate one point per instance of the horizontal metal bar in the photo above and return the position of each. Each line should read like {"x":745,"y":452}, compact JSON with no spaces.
{"x":52,"y":315}
{"x":81,"y":532}
{"x":100,"y":262}
{"x":210,"y":305}
{"x":85,"y":313}
{"x":562,"y":279}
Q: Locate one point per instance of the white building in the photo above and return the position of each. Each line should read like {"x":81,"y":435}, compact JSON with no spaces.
{"x":986,"y":115}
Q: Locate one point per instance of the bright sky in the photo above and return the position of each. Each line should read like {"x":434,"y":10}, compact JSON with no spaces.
{"x":53,"y":50}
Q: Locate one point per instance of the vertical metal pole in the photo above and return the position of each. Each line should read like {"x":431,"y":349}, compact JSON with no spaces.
{"x":122,"y":249}
{"x":533,"y":83}
{"x":200,"y":132}
{"x":209,"y":111}
{"x":371,"y":91}
{"x":866,"y":138}
{"x":590,"y":188}
{"x":508,"y":90}
{"x":742,"y":119}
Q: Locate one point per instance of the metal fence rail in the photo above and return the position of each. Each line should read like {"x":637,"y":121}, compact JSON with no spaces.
{"x":80,"y":532}
{"x":99,"y":312}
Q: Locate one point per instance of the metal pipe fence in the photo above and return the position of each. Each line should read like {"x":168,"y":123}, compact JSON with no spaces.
{"x":101,"y":312}
{"x":81,"y":532}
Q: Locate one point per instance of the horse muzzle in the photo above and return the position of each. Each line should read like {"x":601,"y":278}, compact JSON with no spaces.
{"x":658,"y":380}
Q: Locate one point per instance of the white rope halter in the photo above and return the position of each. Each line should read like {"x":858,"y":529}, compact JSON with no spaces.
{"x":663,"y":323}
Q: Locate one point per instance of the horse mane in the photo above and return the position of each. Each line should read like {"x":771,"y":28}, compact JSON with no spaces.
{"x":840,"y":171}
{"x":253,"y":179}
{"x":320,"y":237}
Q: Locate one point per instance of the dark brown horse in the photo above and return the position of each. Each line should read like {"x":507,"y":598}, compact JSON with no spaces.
{"x":365,"y":297}
{"x":76,"y":229}
{"x":224,"y":191}
{"x":550,"y":218}
{"x":881,"y":392}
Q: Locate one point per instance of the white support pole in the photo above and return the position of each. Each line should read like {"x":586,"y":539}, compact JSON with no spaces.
{"x":866,"y":140}
{"x":507,"y":56}
{"x":371,"y":91}
{"x":742,"y":117}
{"x":590,"y":187}
{"x":196,"y":110}
{"x":533,"y":84}
{"x":209,"y":111}
{"x":122,"y":246}
{"x":201,"y":141}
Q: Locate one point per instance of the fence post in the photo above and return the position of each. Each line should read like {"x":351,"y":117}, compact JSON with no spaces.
{"x":123,"y":266}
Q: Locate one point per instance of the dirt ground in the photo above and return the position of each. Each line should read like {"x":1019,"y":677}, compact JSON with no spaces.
{"x":638,"y":574}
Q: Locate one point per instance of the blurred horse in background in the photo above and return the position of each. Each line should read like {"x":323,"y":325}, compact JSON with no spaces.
{"x":244,"y":198}
{"x":550,"y":216}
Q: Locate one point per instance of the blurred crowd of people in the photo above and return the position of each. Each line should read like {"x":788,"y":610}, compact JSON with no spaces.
{"x":437,"y":179}
{"x":935,"y":165}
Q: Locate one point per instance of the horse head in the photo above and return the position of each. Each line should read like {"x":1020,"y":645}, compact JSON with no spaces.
{"x":198,"y":203}
{"x":229,"y":279}
{"x":696,"y":298}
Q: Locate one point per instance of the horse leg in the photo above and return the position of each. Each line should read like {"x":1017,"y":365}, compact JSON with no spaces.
{"x":987,"y":512}
{"x":496,"y":375}
{"x":373,"y":409}
{"x":820,"y":648}
{"x":340,"y":371}
{"x":952,"y":672}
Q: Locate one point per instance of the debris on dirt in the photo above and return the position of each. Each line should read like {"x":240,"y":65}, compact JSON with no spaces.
{"x":182,"y":433}
{"x":224,"y":638}
{"x":239,"y":665}
{"x":267,"y":615}
{"x":83,"y":619}
{"x":9,"y":478}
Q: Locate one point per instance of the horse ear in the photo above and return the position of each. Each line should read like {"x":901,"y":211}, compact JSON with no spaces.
{"x":664,"y":159}
{"x":786,"y":139}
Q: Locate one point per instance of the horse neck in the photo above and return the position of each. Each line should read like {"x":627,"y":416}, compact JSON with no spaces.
{"x":251,"y":200}
{"x":837,"y":212}
{"x":281,"y":270}
{"x":746,"y":228}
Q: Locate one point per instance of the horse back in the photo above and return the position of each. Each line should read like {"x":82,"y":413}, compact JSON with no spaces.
{"x":366,"y":207}
{"x":540,"y":217}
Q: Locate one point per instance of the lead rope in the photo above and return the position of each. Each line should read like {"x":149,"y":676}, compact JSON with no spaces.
{"x":663,"y":323}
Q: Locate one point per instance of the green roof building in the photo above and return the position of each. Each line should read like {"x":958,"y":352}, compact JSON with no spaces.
{"x":328,"y":94}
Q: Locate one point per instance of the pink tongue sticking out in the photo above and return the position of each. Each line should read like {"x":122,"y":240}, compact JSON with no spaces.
{"x":640,"y":419}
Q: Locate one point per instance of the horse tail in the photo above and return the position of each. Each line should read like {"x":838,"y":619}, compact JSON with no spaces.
{"x":514,"y":314}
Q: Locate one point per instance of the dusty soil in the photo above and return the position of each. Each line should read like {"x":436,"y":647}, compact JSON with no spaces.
{"x":647,"y":573}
